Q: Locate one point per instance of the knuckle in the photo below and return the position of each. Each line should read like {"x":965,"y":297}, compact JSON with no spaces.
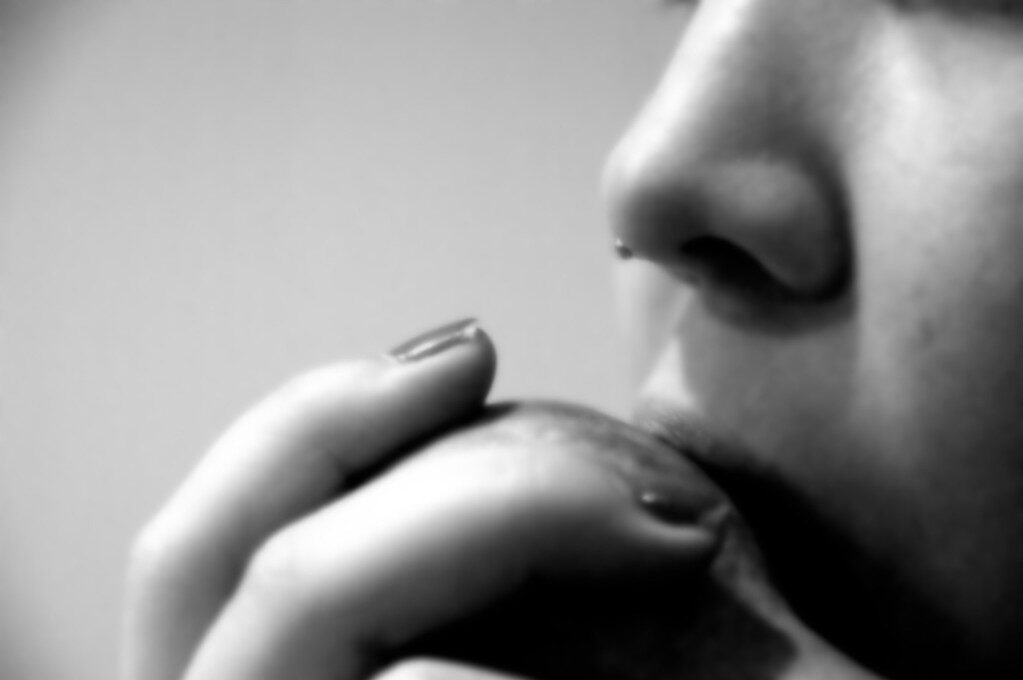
{"x":277,"y":577}
{"x":155,"y":556}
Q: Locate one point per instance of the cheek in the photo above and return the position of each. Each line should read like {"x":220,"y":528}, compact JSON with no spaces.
{"x":941,"y":286}
{"x":940,"y":388}
{"x":945,"y":364}
{"x":937,"y":190}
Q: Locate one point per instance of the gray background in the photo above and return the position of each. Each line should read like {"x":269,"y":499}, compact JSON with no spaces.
{"x":198,"y":199}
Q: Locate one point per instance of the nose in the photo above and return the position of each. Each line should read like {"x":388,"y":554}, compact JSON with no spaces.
{"x":728,"y":178}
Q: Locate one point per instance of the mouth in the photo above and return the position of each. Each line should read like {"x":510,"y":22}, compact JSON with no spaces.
{"x":788,"y":530}
{"x":713,"y":449}
{"x":776,"y":518}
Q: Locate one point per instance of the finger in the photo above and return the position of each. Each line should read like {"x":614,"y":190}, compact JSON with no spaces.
{"x":440,"y":536}
{"x":288,"y":455}
{"x":438,"y":669}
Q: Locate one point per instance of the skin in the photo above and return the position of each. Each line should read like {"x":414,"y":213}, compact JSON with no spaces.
{"x":824,"y":200}
{"x":311,"y":543}
{"x":866,"y":160}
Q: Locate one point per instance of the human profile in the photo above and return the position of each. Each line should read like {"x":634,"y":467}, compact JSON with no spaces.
{"x":819,"y":215}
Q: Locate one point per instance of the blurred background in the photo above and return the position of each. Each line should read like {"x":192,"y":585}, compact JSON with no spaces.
{"x":201,"y":198}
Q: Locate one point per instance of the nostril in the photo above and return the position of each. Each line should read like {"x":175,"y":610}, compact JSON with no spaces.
{"x":771,"y":228}
{"x":717,"y":262}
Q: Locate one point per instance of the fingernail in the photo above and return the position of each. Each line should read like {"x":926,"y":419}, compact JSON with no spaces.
{"x":666,"y":508}
{"x":674,"y":507}
{"x":436,"y":341}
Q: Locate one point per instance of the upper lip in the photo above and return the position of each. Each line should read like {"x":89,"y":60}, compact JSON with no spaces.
{"x":712,"y":448}
{"x":683,"y":432}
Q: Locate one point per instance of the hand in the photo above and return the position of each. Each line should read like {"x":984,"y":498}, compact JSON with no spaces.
{"x":262,"y":553}
{"x":623,"y":607}
{"x":261,"y":568}
{"x":286,"y":458}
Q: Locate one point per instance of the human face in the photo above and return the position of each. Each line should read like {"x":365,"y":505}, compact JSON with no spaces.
{"x":825,"y":203}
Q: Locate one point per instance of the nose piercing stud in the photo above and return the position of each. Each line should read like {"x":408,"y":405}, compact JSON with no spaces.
{"x":621,"y":250}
